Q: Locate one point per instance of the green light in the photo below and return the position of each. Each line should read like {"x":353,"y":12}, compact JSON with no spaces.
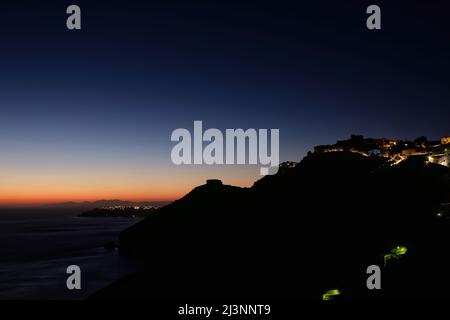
{"x":330,"y":294}
{"x":440,"y":214}
{"x":396,"y":253}
{"x":399,"y":250}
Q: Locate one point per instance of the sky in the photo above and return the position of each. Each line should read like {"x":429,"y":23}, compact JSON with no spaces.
{"x":88,"y":114}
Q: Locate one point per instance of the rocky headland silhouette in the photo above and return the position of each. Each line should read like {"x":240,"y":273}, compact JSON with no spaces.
{"x":314,"y":226}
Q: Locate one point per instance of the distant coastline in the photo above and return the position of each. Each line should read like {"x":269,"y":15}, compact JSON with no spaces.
{"x":120,"y":211}
{"x":87,"y":205}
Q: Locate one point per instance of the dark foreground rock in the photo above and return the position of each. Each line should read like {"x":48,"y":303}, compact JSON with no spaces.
{"x":312,"y":227}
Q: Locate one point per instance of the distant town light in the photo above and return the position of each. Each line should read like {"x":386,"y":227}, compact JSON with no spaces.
{"x":433,"y":151}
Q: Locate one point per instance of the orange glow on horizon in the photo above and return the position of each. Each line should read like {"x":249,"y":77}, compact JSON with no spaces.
{"x":41,"y":188}
{"x":49,"y":198}
{"x":30,"y":200}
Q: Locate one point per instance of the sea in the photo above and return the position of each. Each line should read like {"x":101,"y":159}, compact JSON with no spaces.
{"x":38,"y":245}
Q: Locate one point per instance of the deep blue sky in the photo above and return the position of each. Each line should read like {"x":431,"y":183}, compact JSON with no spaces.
{"x":111,"y":94}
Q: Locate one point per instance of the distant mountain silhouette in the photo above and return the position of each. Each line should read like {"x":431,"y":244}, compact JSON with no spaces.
{"x":311,"y":227}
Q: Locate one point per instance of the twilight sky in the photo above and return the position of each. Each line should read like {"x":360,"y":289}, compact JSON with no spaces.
{"x":88,"y":114}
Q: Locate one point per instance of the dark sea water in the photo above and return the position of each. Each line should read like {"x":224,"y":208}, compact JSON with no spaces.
{"x":37,"y":246}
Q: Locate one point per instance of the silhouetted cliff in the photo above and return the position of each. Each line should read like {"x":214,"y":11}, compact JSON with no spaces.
{"x":312,"y":227}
